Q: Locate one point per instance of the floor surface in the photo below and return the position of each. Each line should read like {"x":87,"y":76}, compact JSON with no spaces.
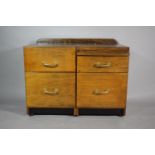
{"x":140,"y":114}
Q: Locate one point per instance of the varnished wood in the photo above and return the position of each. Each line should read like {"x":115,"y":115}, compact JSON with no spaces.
{"x":86,"y":64}
{"x":106,"y":50}
{"x":86,"y":46}
{"x":77,"y":41}
{"x":88,"y":82}
{"x":37,"y":82}
{"x":65,"y":67}
{"x":36,"y":56}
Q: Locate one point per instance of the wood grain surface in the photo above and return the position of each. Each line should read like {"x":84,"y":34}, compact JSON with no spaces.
{"x":36,"y":57}
{"x":115,"y":83}
{"x":37,"y":83}
{"x":76,"y":73}
{"x":88,"y":64}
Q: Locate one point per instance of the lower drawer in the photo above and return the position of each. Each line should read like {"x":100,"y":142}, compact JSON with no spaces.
{"x":50,"y":90}
{"x":101,"y":90}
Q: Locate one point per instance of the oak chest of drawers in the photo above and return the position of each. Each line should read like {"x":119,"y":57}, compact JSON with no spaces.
{"x":76,"y":76}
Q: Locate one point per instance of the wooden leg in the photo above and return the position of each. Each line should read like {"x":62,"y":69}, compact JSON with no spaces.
{"x":122,"y":112}
{"x":76,"y":111}
{"x":29,"y":112}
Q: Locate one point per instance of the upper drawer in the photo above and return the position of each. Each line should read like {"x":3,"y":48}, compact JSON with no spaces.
{"x":49,"y":59}
{"x":102,"y":64}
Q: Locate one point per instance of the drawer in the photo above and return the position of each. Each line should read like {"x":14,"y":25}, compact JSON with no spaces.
{"x":101,"y":90}
{"x":49,"y":59}
{"x":102,"y":64}
{"x":50,"y":90}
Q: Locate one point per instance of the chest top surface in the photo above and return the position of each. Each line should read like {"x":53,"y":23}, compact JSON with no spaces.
{"x":85,"y":46}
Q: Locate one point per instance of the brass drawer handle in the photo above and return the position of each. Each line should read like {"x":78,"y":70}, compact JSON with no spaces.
{"x":102,"y":65}
{"x":50,"y":65}
{"x":98,"y":92}
{"x":54,"y":92}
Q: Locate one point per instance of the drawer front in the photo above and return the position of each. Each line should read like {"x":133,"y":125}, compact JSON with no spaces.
{"x":53,"y":59}
{"x":102,"y":64}
{"x":50,"y":90}
{"x":101,"y":90}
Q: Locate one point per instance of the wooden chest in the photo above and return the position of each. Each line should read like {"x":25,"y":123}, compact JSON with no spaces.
{"x":76,"y":76}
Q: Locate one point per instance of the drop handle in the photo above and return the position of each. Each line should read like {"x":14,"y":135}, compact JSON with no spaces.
{"x":102,"y":65}
{"x":103,"y":92}
{"x":50,"y":65}
{"x":54,"y":92}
